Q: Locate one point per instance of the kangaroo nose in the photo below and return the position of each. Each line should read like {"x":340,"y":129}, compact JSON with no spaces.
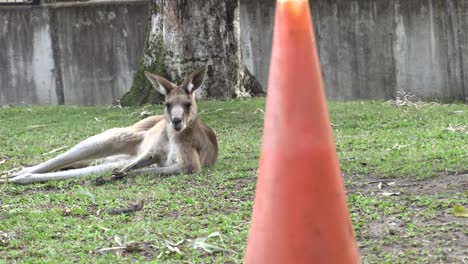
{"x":176,"y":121}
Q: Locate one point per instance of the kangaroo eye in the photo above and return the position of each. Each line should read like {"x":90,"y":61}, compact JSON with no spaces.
{"x":188,"y":105}
{"x":168,"y":105}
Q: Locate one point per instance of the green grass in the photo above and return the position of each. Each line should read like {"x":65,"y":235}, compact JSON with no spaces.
{"x":63,"y":221}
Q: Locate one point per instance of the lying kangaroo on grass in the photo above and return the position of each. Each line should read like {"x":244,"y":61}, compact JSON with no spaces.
{"x":177,"y":142}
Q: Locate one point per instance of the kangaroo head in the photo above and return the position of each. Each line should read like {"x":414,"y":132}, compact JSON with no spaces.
{"x":181,"y":108}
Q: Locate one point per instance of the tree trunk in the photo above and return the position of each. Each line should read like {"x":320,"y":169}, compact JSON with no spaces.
{"x":185,"y":34}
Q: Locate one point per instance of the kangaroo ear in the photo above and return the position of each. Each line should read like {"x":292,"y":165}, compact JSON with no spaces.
{"x":161,"y":84}
{"x":195,"y":80}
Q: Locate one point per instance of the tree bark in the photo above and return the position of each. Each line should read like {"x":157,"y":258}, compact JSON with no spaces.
{"x":185,"y":34}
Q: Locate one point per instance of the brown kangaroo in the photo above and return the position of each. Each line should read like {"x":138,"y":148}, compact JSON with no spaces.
{"x":176,"y":142}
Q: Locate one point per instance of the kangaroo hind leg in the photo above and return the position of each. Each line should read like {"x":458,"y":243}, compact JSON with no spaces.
{"x":28,"y":177}
{"x":111,"y":142}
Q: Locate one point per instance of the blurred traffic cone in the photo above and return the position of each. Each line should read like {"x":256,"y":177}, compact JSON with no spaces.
{"x":300,"y":213}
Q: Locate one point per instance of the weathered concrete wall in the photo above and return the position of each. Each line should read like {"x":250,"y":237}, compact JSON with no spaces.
{"x":426,"y":48}
{"x":355,"y":46}
{"x":80,"y":53}
{"x":26,"y":63}
{"x":256,"y":19}
{"x":104,"y":45}
{"x":373,"y":48}
{"x":87,"y":53}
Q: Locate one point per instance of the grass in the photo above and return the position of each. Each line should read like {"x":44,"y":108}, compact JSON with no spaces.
{"x":65,"y":221}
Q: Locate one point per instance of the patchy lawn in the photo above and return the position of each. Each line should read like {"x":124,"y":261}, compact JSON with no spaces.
{"x":405,"y":170}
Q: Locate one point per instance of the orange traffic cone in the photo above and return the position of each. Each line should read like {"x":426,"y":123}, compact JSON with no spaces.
{"x":300,"y":213}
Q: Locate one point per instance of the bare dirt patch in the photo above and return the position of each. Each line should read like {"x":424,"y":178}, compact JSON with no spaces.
{"x":444,"y":184}
{"x":410,"y":220}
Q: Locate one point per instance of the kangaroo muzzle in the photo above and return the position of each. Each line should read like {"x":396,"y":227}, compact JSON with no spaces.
{"x":177,"y":118}
{"x":177,"y":123}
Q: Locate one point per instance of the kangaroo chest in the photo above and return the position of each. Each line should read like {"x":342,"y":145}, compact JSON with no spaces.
{"x":173,"y":155}
{"x":177,"y":150}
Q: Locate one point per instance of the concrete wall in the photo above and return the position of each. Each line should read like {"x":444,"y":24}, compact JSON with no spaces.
{"x":26,"y":61}
{"x":87,"y":53}
{"x":80,"y":53}
{"x":374,"y":48}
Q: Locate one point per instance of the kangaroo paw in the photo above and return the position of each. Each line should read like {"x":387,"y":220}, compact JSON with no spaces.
{"x":24,"y":178}
{"x":116,"y":175}
{"x":23,"y":171}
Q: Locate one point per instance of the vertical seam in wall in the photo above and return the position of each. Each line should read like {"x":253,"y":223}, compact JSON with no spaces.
{"x":452,"y":36}
{"x":461,"y":42}
{"x":393,"y":39}
{"x":315,"y":22}
{"x":57,"y":56}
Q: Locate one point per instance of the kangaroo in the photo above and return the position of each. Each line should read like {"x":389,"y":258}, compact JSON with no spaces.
{"x":176,"y":142}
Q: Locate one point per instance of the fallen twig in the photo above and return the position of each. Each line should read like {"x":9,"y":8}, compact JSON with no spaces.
{"x":36,"y":126}
{"x":390,"y":193}
{"x":457,"y":128}
{"x":5,"y":237}
{"x":55,"y":150}
{"x":131,"y":209}
{"x":129,"y":248}
{"x":164,"y":246}
{"x":379,"y":181}
{"x":104,"y":250}
{"x":206,"y":111}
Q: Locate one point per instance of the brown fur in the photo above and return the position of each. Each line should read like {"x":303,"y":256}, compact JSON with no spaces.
{"x":175,"y":142}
